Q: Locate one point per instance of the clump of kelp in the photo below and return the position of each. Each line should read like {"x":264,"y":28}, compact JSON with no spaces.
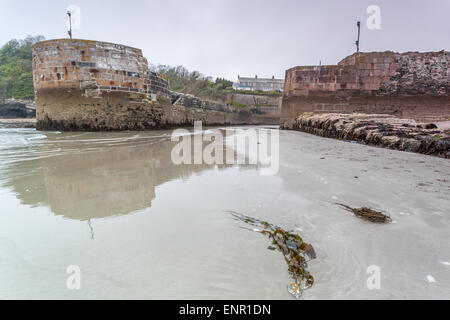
{"x":296,"y":252}
{"x":368,"y":214}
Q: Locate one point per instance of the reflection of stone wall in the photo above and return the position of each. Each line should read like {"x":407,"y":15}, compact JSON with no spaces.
{"x":98,"y":175}
{"x":118,"y":181}
{"x":410,"y":85}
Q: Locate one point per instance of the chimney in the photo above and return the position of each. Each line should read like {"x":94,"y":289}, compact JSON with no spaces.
{"x":273,"y":77}
{"x":256,"y":77}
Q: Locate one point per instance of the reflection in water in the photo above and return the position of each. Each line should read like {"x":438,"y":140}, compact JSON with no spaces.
{"x":109,"y":183}
{"x":185,"y":247}
{"x":90,"y":180}
{"x":181,"y":247}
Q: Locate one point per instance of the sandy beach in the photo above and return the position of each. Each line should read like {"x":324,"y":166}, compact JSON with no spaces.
{"x":18,"y":123}
{"x":141,"y":227}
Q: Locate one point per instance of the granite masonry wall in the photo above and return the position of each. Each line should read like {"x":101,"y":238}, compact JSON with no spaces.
{"x":409,"y":85}
{"x":91,"y":85}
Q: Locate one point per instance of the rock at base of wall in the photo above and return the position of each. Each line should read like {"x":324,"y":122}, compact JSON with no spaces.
{"x":378,"y":130}
{"x":17,"y":109}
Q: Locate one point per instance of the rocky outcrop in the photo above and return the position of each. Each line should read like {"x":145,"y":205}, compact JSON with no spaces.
{"x":191,"y":101}
{"x":16,"y":109}
{"x":378,"y":130}
{"x":419,"y":73}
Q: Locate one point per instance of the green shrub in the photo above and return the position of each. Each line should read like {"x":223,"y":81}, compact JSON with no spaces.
{"x":16,"y":74}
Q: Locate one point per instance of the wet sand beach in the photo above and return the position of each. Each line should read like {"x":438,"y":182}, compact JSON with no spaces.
{"x":18,"y":123}
{"x":140,"y":227}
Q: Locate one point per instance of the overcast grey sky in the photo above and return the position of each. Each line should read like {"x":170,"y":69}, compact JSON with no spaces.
{"x":224,"y":38}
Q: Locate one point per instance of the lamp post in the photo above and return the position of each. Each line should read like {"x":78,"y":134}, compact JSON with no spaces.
{"x":70,"y":24}
{"x":358,"y":24}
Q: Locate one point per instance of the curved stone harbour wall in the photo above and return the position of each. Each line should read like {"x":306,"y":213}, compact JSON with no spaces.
{"x":88,"y":64}
{"x":96,"y":86}
{"x":409,"y":85}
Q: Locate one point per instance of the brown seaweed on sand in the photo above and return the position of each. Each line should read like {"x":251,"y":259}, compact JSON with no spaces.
{"x":296,"y":252}
{"x":367,"y":214}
